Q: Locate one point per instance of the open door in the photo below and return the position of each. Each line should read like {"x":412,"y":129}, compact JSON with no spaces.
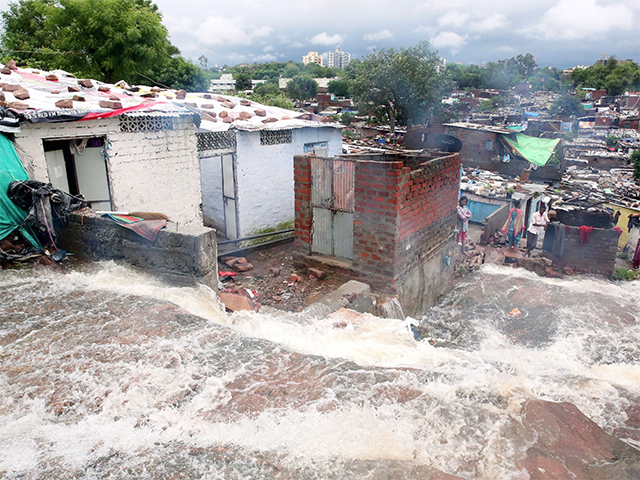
{"x":82,"y":172}
{"x":229,"y":196}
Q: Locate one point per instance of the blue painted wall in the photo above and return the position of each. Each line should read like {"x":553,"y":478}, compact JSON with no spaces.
{"x":481,"y":210}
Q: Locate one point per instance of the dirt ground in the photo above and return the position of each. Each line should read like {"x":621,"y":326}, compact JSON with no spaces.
{"x":271,"y":281}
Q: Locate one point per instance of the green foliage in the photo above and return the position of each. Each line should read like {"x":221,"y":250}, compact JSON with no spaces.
{"x":624,"y":274}
{"x":108,"y":40}
{"x":635,"y":160}
{"x":267,"y":88}
{"x":611,"y":140}
{"x":243,"y":81}
{"x":302,"y":87}
{"x":339,"y":87}
{"x":346,"y":118}
{"x":615,"y":77}
{"x":492,"y":104}
{"x":179,"y":73}
{"x":274,"y":100}
{"x":567,"y":106}
{"x":405,"y":86}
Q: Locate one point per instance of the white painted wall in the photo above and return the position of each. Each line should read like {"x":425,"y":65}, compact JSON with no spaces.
{"x":265,"y":175}
{"x":148,"y":171}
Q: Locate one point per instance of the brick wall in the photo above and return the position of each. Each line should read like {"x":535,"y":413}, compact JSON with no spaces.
{"x":426,"y":216}
{"x":404,"y":212}
{"x":596,"y":256}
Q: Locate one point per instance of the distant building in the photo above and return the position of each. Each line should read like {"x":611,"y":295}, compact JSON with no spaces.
{"x":223,"y":84}
{"x":338,"y":59}
{"x":312,"y":57}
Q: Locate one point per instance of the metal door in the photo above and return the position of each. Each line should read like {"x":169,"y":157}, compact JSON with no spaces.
{"x":93,"y":182}
{"x":332,"y":201}
{"x":229,"y":196}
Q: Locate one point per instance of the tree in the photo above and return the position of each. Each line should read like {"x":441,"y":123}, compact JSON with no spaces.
{"x":635,"y":160}
{"x":179,"y":73}
{"x":267,"y":88}
{"x":567,"y":106}
{"x":302,"y":87}
{"x":108,"y":40}
{"x":615,"y":77}
{"x":243,"y":81}
{"x":406,"y":85}
{"x":339,"y":87}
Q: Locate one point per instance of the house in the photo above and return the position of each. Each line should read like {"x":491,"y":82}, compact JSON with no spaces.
{"x":124,"y":149}
{"x":246,"y":155}
{"x":386,"y":218}
{"x":500,"y":149}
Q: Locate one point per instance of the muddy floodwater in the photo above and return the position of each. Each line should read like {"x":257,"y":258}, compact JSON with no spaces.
{"x":106,"y":373}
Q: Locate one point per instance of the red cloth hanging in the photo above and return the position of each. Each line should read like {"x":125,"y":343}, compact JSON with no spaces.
{"x":584,"y":233}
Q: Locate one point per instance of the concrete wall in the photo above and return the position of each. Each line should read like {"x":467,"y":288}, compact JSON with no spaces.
{"x":264,"y":175}
{"x":148,"y":171}
{"x":180,"y":254}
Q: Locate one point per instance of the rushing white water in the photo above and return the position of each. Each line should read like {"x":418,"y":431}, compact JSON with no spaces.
{"x":101,"y":378}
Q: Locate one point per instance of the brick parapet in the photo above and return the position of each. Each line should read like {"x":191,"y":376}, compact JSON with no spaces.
{"x":302,"y":203}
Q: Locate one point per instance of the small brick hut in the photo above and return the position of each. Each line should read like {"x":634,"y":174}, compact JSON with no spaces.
{"x":386,"y":219}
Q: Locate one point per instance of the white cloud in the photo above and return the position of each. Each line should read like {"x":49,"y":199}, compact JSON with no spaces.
{"x":268,"y":48}
{"x":504,"y":49}
{"x":376,"y":37}
{"x":324,"y":39}
{"x":580,"y":19}
{"x":453,"y":19}
{"x":229,"y":31}
{"x":493,"y":22}
{"x":448,"y":40}
{"x":267,"y":57}
{"x":425,"y":30}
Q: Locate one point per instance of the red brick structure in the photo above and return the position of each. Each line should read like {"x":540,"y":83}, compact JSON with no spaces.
{"x":403,"y":222}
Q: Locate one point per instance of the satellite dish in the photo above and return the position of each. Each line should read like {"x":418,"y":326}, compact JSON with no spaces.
{"x":447,"y":143}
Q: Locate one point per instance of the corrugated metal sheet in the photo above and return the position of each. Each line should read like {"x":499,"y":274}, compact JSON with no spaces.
{"x":343,"y":234}
{"x":322,"y":232}
{"x":321,"y":182}
{"x":332,"y":198}
{"x":343,"y":172}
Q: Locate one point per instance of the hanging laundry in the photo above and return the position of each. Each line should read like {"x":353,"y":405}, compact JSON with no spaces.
{"x":585,"y":232}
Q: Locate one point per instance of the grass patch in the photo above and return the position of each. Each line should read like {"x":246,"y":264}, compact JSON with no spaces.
{"x":624,"y":274}
{"x":279,"y":227}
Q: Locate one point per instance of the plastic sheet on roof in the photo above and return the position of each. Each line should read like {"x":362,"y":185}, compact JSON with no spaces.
{"x":536,"y":150}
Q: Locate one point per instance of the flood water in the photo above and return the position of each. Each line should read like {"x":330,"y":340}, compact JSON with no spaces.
{"x":106,"y":373}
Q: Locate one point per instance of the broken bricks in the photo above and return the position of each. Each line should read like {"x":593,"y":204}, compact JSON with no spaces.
{"x":234,"y":302}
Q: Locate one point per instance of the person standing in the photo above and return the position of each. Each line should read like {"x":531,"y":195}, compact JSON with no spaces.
{"x":514,"y":226}
{"x":539,"y":222}
{"x":464,"y":214}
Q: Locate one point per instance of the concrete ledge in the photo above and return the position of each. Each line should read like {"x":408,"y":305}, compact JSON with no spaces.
{"x":353,"y":295}
{"x":180,"y":254}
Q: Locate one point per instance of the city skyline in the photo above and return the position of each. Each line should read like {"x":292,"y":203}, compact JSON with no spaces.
{"x":560,"y":33}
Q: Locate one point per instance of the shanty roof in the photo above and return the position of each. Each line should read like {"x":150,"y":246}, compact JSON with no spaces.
{"x":35,"y":96}
{"x":535,"y":150}
{"x":479,"y":127}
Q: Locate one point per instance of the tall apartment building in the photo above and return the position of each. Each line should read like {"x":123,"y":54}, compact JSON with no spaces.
{"x":312,"y":57}
{"x":338,"y":59}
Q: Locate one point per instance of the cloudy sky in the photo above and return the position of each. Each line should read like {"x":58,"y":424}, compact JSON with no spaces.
{"x":559,"y":33}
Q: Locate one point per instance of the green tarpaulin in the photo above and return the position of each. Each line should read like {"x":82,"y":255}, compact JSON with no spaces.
{"x":536,"y":150}
{"x":11,"y":216}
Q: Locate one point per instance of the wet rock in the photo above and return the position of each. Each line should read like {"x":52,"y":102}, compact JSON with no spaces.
{"x":551,"y":273}
{"x":73,"y":89}
{"x":534,"y":264}
{"x":85,"y":83}
{"x":5,"y":71}
{"x":78,"y":98}
{"x":103,"y":88}
{"x":261,"y":113}
{"x":11,"y":87}
{"x":494,"y":256}
{"x":563,"y":443}
{"x":236,"y":303}
{"x":245,"y":102}
{"x":567,"y":270}
{"x":244,"y":116}
{"x":181,"y":94}
{"x":224,"y":114}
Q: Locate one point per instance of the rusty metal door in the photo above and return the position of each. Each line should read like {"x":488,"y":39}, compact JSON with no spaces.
{"x":332,"y":201}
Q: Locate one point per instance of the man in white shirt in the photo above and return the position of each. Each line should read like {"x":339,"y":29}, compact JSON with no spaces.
{"x":539,"y":222}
